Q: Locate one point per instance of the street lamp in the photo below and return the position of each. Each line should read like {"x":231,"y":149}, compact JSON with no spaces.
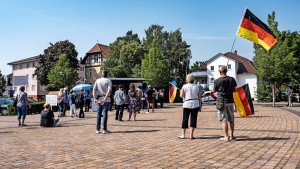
{"x":186,"y":66}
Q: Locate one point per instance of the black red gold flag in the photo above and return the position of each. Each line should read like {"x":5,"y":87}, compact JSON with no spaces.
{"x":243,"y":101}
{"x":253,"y":29}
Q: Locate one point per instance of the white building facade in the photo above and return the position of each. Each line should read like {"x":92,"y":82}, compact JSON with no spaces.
{"x":239,"y":68}
{"x":27,"y":67}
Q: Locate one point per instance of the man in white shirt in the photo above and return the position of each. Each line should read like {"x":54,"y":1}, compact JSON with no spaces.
{"x":101,"y":93}
{"x":119,"y":100}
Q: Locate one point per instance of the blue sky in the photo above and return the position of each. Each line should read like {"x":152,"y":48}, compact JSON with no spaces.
{"x":209,"y":26}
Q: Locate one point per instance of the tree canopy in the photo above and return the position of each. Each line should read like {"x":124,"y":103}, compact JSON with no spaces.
{"x":198,"y":66}
{"x":2,"y":83}
{"x":176,"y":51}
{"x":279,"y":65}
{"x":49,"y":58}
{"x":125,"y":53}
{"x":62,"y":74}
{"x":154,"y":67}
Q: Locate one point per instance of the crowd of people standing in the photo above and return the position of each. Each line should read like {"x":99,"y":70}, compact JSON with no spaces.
{"x":102,"y":95}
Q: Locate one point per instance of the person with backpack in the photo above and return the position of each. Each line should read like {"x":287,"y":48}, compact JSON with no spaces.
{"x":225,"y":86}
{"x":72,"y":103}
{"x":80,"y":97}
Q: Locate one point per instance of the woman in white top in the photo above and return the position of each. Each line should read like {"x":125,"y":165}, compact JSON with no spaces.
{"x":191,"y":103}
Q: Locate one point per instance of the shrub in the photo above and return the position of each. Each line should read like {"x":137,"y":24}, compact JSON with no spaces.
{"x":36,"y":108}
{"x":11,"y":110}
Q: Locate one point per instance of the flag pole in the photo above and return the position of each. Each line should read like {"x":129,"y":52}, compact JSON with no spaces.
{"x":169,"y":96}
{"x":236,"y":34}
{"x":241,"y":20}
{"x":231,"y":51}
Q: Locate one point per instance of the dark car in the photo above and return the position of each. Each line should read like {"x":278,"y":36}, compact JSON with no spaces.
{"x":3,"y":105}
{"x":29,"y":100}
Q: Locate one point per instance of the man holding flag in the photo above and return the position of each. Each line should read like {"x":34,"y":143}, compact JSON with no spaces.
{"x":225,"y":86}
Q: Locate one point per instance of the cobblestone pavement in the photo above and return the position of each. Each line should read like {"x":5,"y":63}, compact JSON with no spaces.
{"x":268,"y":139}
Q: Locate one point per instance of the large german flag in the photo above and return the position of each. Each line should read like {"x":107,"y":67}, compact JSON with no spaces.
{"x":255,"y":30}
{"x":173,"y":91}
{"x":243,"y":101}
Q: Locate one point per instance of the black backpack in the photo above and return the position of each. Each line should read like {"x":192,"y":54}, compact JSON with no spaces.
{"x":81,"y":97}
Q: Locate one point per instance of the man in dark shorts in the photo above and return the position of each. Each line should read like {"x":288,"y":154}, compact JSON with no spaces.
{"x":150,"y":99}
{"x":225,"y":86}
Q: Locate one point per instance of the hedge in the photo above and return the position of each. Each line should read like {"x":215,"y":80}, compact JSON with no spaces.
{"x":36,"y":108}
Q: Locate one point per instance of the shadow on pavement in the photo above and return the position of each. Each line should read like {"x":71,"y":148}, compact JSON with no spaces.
{"x":153,"y":120}
{"x":252,"y":116}
{"x":261,"y":138}
{"x":5,"y":132}
{"x":136,"y":131}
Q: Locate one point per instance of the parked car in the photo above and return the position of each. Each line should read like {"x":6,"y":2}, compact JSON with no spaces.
{"x":3,"y":105}
{"x":29,"y":100}
{"x":295,"y":97}
{"x":207,"y":99}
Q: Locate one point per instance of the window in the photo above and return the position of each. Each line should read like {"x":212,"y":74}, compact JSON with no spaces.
{"x":212,"y":68}
{"x":212,"y":80}
{"x":90,"y":73}
{"x":229,"y":67}
{"x":81,"y":69}
{"x":33,"y":77}
{"x":26,"y":88}
{"x":15,"y":89}
{"x":27,"y":65}
{"x":32,"y":87}
{"x":93,"y":60}
{"x":81,"y":79}
{"x":20,"y":66}
{"x":33,"y":64}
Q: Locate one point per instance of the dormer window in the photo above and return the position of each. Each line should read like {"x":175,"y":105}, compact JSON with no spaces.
{"x":94,"y":60}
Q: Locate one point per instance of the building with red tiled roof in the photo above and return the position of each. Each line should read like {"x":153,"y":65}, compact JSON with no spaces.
{"x":241,"y":68}
{"x":93,"y":61}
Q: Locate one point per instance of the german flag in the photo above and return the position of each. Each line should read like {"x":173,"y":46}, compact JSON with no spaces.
{"x":243,"y":101}
{"x":255,"y":30}
{"x":172,"y":91}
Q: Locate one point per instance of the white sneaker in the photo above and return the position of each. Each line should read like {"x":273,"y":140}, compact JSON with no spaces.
{"x":97,"y":132}
{"x":105,"y":132}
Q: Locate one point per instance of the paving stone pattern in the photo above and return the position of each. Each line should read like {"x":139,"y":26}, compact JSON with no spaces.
{"x":268,"y":139}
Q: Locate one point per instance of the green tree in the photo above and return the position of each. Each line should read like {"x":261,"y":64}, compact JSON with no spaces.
{"x":173,"y":49}
{"x":155,"y":68}
{"x":2,"y":83}
{"x":198,"y":66}
{"x":125,"y":53}
{"x":62,"y":74}
{"x":278,"y":65}
{"x":50,"y":57}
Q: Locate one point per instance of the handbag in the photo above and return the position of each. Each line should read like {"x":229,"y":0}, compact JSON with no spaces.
{"x":16,"y":101}
{"x":220,"y":103}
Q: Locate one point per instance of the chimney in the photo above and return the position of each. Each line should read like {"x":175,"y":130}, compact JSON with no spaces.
{"x":235,"y":52}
